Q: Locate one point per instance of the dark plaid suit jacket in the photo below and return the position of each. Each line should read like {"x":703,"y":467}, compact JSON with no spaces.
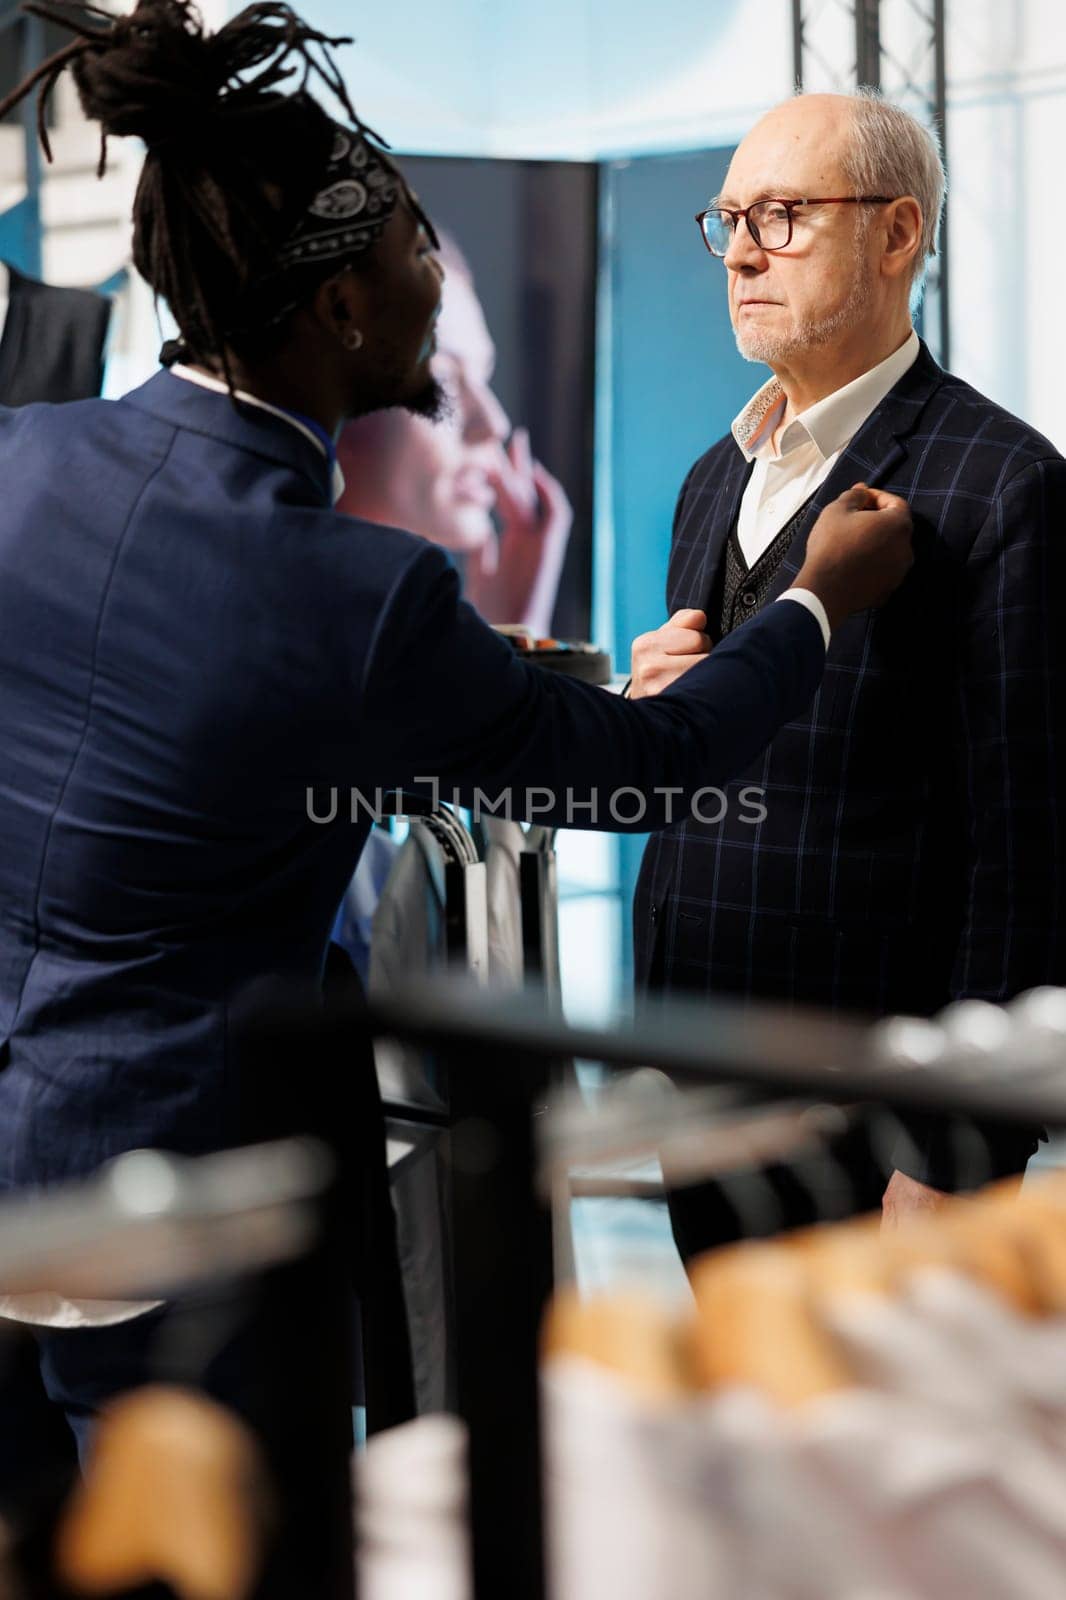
{"x":913,"y":845}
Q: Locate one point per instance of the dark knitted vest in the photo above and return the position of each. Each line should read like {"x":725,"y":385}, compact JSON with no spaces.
{"x":739,"y":590}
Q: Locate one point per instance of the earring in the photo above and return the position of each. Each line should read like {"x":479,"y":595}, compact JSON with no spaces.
{"x":352,"y":339}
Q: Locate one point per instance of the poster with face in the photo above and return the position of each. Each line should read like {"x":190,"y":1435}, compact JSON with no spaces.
{"x":504,"y":480}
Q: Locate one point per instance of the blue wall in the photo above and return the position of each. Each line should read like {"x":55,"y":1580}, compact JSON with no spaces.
{"x":20,"y":236}
{"x":675,"y":382}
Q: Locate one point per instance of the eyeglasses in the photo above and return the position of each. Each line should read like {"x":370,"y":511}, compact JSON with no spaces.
{"x":769,"y":221}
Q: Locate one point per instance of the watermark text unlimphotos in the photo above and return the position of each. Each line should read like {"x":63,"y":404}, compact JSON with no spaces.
{"x":626,"y":807}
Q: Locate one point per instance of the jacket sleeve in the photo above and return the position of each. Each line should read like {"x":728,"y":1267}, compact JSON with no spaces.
{"x":445,"y":699}
{"x":1010,"y":738}
{"x":1009,"y":742}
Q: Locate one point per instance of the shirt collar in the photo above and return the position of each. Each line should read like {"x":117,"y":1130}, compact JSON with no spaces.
{"x":310,"y":429}
{"x":830,"y":424}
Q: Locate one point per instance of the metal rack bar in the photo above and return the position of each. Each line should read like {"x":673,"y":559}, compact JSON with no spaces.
{"x":151,"y":1222}
{"x":923,"y":81}
{"x":868,"y":43}
{"x":940,"y":93}
{"x":771,"y":1051}
{"x":503,"y":1277}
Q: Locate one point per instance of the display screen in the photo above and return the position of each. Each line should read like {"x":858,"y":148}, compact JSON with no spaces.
{"x":504,"y":480}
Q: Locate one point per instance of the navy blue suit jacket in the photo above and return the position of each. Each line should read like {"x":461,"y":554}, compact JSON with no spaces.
{"x":914,"y":843}
{"x":190,"y":640}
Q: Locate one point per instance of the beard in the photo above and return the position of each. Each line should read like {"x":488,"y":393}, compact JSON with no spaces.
{"x":430,"y":400}
{"x":771,"y":348}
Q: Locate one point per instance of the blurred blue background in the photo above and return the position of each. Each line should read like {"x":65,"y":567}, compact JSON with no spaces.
{"x":675,"y":383}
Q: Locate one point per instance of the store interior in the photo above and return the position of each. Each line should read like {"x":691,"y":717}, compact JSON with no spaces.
{"x":539,"y":1393}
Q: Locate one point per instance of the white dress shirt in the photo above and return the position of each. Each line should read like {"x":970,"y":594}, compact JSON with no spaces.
{"x":810,"y":447}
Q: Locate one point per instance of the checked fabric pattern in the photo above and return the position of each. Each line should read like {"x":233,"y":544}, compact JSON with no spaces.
{"x":912,"y":849}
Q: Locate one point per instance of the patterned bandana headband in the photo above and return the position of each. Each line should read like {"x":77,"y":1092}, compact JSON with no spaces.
{"x":348,"y":214}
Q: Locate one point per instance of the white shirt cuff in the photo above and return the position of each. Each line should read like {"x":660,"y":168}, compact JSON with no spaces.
{"x":811,"y":602}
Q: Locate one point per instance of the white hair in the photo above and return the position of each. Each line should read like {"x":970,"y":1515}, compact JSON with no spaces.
{"x":890,"y":152}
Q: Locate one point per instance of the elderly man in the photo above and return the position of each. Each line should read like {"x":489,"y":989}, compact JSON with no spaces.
{"x":912,"y":850}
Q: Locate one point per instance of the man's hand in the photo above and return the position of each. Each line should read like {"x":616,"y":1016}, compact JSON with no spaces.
{"x":658,"y":659}
{"x":906,"y":1198}
{"x":859,"y":551}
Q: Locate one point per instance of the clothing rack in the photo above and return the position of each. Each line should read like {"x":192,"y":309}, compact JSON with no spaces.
{"x":150,"y":1222}
{"x":227,"y":1239}
{"x":465,"y":909}
{"x":416,"y":1092}
{"x":539,"y":894}
{"x":977,"y":1061}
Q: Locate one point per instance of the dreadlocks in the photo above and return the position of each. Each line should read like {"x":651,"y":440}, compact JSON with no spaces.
{"x":232,"y":164}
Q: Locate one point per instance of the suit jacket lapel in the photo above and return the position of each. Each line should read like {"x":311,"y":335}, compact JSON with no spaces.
{"x":721,"y":515}
{"x":871,"y":457}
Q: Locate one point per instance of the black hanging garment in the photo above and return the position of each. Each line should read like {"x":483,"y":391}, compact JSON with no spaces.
{"x":52,"y":347}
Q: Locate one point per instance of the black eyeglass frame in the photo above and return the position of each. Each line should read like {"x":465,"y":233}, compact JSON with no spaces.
{"x":789,"y":205}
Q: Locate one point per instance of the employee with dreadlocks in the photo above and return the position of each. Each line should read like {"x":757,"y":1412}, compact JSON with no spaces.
{"x":191,"y":639}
